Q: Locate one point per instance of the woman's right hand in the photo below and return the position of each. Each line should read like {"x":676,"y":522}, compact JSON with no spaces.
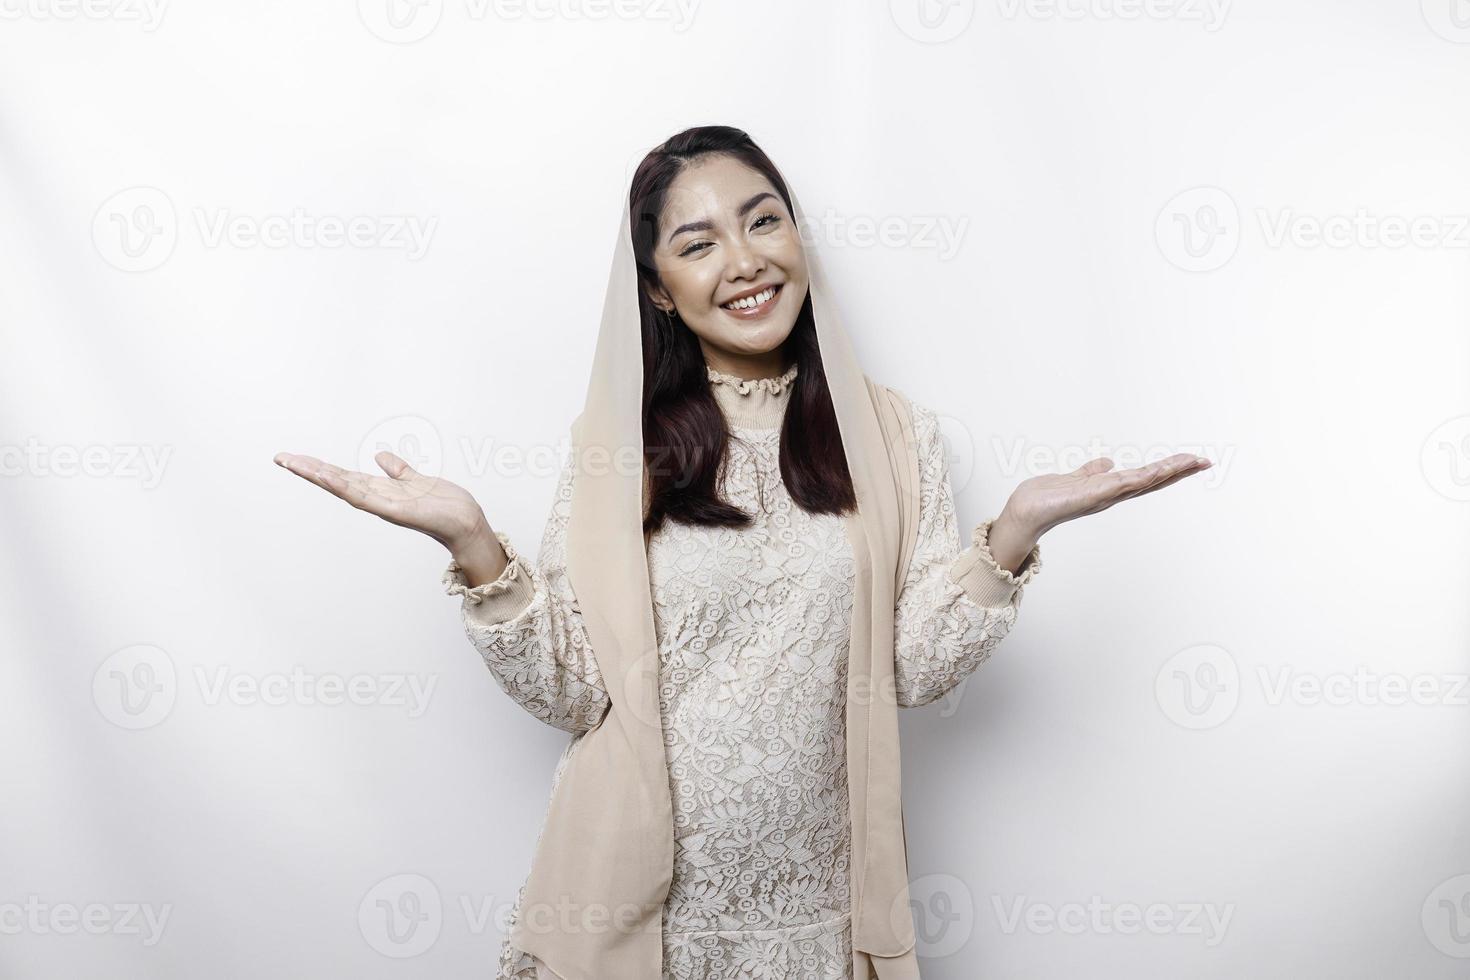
{"x":430,"y":505}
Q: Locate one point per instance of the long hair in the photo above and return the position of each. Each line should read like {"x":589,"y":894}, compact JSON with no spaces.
{"x":685,"y":436}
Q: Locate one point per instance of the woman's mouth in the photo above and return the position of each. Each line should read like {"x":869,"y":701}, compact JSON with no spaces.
{"x":754,"y":307}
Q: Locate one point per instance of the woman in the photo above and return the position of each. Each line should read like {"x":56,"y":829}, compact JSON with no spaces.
{"x":727,"y":626}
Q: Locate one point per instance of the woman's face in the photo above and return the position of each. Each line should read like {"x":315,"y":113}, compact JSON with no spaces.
{"x":725,"y":235}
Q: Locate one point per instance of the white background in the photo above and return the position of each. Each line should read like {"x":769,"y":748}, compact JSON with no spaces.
{"x":1131,"y":194}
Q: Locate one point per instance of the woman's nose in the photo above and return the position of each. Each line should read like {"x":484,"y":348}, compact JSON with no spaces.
{"x":745,"y":262}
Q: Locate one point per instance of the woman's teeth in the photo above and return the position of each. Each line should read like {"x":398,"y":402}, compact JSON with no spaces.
{"x":752,"y":301}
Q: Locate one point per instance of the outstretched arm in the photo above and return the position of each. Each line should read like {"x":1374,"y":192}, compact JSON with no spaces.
{"x":528,"y":628}
{"x":522,"y":618}
{"x":955,"y":607}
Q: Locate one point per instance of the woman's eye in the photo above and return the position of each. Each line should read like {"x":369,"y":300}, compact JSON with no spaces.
{"x":694,"y":247}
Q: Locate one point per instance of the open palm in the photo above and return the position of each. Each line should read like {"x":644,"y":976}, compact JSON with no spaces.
{"x":444,"y":511}
{"x":1043,"y":502}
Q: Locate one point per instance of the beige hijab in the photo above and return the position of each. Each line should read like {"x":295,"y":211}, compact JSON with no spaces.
{"x":592,"y":908}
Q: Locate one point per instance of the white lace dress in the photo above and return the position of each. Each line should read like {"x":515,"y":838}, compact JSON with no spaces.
{"x":752,"y":625}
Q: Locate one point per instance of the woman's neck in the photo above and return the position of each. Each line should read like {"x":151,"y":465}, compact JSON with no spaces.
{"x":770,"y":364}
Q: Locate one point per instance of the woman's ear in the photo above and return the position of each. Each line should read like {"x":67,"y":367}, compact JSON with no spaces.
{"x":659,"y":298}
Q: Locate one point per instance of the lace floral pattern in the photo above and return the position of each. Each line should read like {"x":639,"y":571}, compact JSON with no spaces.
{"x":753,"y":627}
{"x":941,"y":634}
{"x":541,"y":656}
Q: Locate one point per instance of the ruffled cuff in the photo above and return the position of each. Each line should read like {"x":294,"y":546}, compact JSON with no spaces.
{"x":497,"y":601}
{"x":983,"y":580}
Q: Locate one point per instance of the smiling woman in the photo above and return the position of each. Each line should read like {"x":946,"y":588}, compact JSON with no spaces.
{"x":724,"y":284}
{"x":739,"y":305}
{"x":731,"y":664}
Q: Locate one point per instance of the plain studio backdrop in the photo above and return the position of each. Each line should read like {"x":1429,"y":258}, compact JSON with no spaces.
{"x":244,"y":733}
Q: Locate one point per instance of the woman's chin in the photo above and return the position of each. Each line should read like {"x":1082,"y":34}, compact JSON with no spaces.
{"x":757,"y":338}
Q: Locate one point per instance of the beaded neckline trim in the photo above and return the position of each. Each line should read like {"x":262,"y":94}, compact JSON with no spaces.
{"x":746,"y":385}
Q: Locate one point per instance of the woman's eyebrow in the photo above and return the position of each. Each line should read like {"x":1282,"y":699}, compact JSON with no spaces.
{"x":705,"y":225}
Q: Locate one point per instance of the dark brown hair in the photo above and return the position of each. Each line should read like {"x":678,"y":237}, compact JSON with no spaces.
{"x":685,"y":437}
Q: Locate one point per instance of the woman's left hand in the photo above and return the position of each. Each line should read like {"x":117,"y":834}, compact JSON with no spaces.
{"x":1042,"y":502}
